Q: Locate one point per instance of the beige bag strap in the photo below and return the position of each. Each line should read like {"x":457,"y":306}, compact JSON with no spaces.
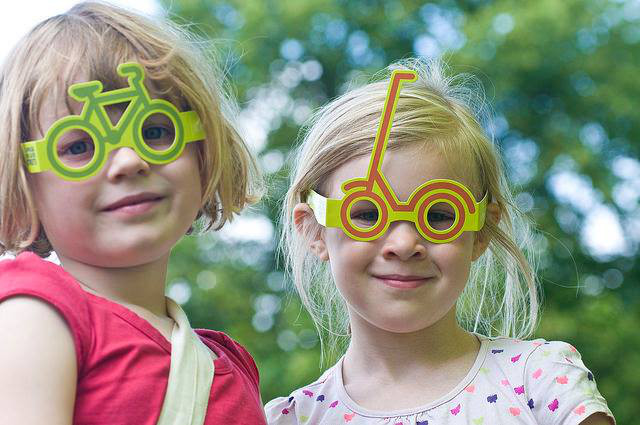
{"x":190,"y":375}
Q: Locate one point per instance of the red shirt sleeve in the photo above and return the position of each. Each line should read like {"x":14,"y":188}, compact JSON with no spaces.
{"x":237,"y":354}
{"x":29,"y":275}
{"x":235,"y":391}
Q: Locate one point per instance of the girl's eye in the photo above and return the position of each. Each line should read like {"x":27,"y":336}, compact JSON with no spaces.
{"x":78,"y":148}
{"x":369,"y":216}
{"x":76,"y":152}
{"x":158,"y":132}
{"x":154,"y":133}
{"x":440,"y":220}
{"x":158,"y":136}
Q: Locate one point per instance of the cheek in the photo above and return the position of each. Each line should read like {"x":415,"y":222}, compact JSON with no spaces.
{"x":347,"y":256}
{"x":50,"y":194}
{"x":63,"y":209}
{"x":187,"y":173}
{"x":454,"y":259}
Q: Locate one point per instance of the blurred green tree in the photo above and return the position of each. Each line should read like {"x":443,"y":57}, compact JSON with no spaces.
{"x":562,"y":79}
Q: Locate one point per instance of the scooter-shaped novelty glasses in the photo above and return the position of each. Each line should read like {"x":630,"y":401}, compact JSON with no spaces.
{"x":441,"y":209}
{"x":76,"y":147}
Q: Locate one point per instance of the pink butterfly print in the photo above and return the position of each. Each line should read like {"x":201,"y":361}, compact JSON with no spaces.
{"x":553,"y":406}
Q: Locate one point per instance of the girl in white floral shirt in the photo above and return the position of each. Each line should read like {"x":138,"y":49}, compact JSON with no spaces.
{"x":417,"y":256}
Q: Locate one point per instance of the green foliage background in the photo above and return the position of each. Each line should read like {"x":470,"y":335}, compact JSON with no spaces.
{"x":562,"y":77}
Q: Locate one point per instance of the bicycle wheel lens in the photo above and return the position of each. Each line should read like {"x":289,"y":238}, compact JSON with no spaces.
{"x":75,"y":148}
{"x":364,"y":214}
{"x":158,"y":132}
{"x":441,"y":216}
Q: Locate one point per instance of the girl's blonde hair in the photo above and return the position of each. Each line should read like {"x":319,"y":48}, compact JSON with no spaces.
{"x":436,"y":111}
{"x":91,"y":40}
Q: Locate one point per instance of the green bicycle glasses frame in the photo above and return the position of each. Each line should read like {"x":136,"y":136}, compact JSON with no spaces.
{"x":76,"y":147}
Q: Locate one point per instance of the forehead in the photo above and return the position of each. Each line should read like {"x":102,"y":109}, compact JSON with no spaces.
{"x":405,"y":169}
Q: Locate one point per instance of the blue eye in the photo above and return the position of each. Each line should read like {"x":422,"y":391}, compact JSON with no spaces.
{"x":366,"y":216}
{"x":439,"y":216}
{"x":75,"y":150}
{"x":440,"y":220}
{"x":78,"y":148}
{"x":155,"y":133}
{"x":158,"y":137}
{"x":158,"y":131}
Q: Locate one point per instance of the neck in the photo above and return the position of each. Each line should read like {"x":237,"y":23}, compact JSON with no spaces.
{"x":141,"y":285}
{"x":397,"y":355}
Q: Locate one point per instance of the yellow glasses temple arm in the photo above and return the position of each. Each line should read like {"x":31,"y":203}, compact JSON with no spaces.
{"x":326,"y":210}
{"x":192,"y":126}
{"x":34,"y":155}
{"x":475,"y":222}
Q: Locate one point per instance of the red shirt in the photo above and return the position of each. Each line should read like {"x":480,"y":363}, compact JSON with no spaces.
{"x":123,"y":361}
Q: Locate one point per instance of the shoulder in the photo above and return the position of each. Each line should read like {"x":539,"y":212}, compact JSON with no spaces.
{"x":234,"y":351}
{"x":299,"y":406}
{"x":29,"y":328}
{"x":508,"y":356}
{"x":548,"y":378}
{"x":561,"y":388}
{"x":516,"y":349}
{"x":30,"y":276}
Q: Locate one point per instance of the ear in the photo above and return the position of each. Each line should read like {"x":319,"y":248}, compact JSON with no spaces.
{"x":308,"y":228}
{"x":483,"y":238}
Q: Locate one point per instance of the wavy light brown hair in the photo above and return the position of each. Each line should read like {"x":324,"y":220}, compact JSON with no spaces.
{"x":92,"y":39}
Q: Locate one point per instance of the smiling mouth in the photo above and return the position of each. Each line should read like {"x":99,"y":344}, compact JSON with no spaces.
{"x":134,"y":201}
{"x":403,"y":282}
{"x":133,"y":206}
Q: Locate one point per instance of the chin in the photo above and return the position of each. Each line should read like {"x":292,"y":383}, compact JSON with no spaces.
{"x":402,"y":324}
{"x":121,"y":253}
{"x":117,"y":259}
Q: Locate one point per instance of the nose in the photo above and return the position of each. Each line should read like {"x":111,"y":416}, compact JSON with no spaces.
{"x":402,"y":241}
{"x":125,"y":162}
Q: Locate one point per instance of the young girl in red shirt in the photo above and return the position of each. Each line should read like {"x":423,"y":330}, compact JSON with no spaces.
{"x":115,"y":138}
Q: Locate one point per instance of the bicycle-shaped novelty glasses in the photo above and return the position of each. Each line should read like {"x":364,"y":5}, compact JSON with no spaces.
{"x":377,"y":195}
{"x":76,"y":147}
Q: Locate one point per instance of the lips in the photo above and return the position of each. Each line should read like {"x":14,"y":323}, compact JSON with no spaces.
{"x":133,"y":200}
{"x":402,"y":281}
{"x":401,"y":277}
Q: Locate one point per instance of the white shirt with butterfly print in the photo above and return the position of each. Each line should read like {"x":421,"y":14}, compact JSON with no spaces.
{"x":511,"y":382}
